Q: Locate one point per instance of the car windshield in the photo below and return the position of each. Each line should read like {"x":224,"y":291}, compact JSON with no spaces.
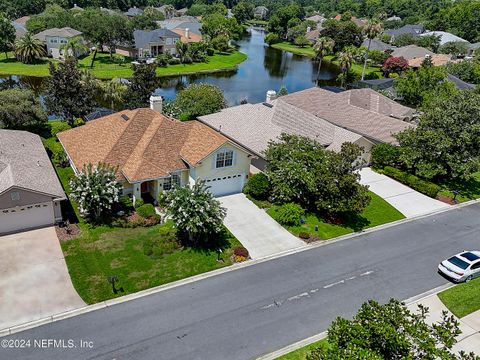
{"x":470,"y":256}
{"x":458,"y":262}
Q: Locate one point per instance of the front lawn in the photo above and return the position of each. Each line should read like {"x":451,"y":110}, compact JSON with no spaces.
{"x":462,"y":299}
{"x":105,"y":68}
{"x":301,"y":354}
{"x":378,"y":212}
{"x":467,"y":190}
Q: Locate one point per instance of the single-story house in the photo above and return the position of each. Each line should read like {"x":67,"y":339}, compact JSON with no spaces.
{"x":376,"y":44}
{"x":260,"y":12}
{"x":411,"y":52}
{"x":30,"y":192}
{"x":410,"y":29}
{"x":149,"y":44}
{"x":360,"y":116}
{"x":437,"y":60}
{"x":133,"y":11}
{"x":445,"y":37}
{"x":152,"y":152}
{"x":55,"y":38}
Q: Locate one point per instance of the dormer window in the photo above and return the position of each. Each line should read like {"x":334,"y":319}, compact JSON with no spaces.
{"x":224,"y":159}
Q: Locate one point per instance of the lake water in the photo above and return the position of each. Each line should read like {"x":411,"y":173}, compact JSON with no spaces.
{"x":266,"y":68}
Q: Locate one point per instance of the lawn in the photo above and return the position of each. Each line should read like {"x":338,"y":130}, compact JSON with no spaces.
{"x":378,"y":212}
{"x":468,"y":190}
{"x":308,"y":51}
{"x":301,"y":353}
{"x":462,"y":299}
{"x":105,"y":68}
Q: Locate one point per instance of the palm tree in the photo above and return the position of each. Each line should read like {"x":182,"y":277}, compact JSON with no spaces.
{"x":322,"y":47}
{"x":183,"y":50}
{"x":28,"y":49}
{"x":73,"y":47}
{"x":345,"y":58}
{"x":371,"y":30}
{"x":113,"y":92}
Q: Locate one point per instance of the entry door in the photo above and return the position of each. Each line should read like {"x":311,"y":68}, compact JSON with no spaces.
{"x":144,"y":187}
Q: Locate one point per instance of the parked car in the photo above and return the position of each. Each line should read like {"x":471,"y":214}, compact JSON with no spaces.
{"x":461,"y":267}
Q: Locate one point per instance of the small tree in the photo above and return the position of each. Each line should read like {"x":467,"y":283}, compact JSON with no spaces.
{"x":200,"y":99}
{"x":20,"y":109}
{"x":395,"y":65}
{"x":73,"y":47}
{"x":371,"y":31}
{"x":391,"y":331}
{"x":301,"y":41}
{"x":7,"y":35}
{"x":282,"y":91}
{"x":28,"y":49}
{"x":198,"y":216}
{"x":95,"y":190}
{"x":346,"y":60}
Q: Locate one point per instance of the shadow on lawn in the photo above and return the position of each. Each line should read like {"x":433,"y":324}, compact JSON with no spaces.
{"x":467,"y":188}
{"x":356,"y":222}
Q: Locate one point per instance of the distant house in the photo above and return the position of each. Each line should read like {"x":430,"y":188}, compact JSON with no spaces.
{"x":445,"y":37}
{"x":312,"y":35}
{"x":149,"y":44}
{"x":20,"y":26}
{"x":55,"y":38}
{"x":411,"y":52}
{"x":319,"y":19}
{"x":167,"y":10}
{"x":473,"y":47}
{"x":414,"y":30}
{"x":108,"y":11}
{"x":187,"y":36}
{"x":359,"y":22}
{"x":133,"y":11}
{"x":394,"y":18}
{"x":76,"y":8}
{"x":30,"y":192}
{"x":376,"y":44}
{"x":362,"y":116}
{"x":260,"y":12}
{"x":437,"y":60}
{"x":182,"y":23}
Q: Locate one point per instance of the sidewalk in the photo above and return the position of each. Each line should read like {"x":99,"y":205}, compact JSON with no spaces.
{"x":409,"y":202}
{"x":469,"y":339}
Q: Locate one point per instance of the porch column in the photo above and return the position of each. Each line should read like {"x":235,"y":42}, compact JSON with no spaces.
{"x":137,"y":194}
{"x":157,"y":187}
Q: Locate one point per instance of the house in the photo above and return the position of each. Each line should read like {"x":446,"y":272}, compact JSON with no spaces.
{"x":182,"y":23}
{"x":149,"y":44}
{"x":260,"y":12}
{"x":55,"y":38}
{"x":376,"y":44}
{"x":153,"y":152}
{"x":20,"y":26}
{"x":437,"y":60}
{"x":76,"y":8}
{"x":133,"y":11}
{"x":359,"y":22}
{"x":318,"y":19}
{"x":472,"y":48}
{"x":445,"y":37}
{"x":30,"y":192}
{"x":414,"y":30}
{"x":411,"y":52}
{"x":361,"y":116}
{"x":312,"y":35}
{"x":167,"y":10}
{"x":108,"y":11}
{"x":186,"y":36}
{"x":394,"y":18}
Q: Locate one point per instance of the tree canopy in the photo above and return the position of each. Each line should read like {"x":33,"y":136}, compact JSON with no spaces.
{"x":20,"y":109}
{"x":200,"y":99}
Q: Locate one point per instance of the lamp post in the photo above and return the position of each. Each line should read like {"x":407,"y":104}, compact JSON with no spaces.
{"x":112,"y":280}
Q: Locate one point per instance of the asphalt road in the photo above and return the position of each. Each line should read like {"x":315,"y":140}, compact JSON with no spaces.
{"x":248,"y":312}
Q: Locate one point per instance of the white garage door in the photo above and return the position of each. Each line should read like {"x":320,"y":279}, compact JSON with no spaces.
{"x":26,"y":217}
{"x":225,"y":185}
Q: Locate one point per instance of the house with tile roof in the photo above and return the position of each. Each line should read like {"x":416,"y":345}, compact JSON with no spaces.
{"x":30,"y":192}
{"x":55,"y":38}
{"x":153,"y":152}
{"x":360,"y":116}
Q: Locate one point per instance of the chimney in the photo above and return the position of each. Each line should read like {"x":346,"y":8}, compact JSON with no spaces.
{"x":187,"y":33}
{"x":271,"y":95}
{"x":309,"y":29}
{"x":156,"y":103}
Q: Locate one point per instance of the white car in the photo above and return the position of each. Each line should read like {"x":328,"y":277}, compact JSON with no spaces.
{"x":462,"y":267}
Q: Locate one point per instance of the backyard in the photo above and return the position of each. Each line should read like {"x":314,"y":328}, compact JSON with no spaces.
{"x":106,"y":68}
{"x":462,"y":299}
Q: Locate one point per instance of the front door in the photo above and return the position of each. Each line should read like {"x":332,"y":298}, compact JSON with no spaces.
{"x":144,"y":187}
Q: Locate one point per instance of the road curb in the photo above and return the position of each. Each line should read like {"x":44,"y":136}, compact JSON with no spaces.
{"x":111,"y":302}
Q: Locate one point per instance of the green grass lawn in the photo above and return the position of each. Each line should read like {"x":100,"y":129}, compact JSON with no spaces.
{"x":468,"y":190}
{"x":308,"y":51}
{"x":462,"y":299}
{"x":377,"y":212}
{"x":104,"y":68}
{"x":302,"y":353}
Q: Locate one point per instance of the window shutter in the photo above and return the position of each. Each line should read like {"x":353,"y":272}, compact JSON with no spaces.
{"x":214,"y":160}
{"x":234,"y":160}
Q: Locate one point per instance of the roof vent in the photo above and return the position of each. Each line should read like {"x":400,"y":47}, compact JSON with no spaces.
{"x":267,"y":105}
{"x":125,"y":117}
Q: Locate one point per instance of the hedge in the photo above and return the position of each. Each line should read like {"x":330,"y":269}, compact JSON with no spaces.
{"x":423,"y":186}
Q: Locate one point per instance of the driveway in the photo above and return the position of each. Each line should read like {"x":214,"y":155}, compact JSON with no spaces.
{"x":255,"y":229}
{"x":34,"y":280}
{"x":409,"y":202}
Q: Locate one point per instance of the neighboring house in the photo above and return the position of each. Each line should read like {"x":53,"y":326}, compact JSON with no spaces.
{"x":167,"y":10}
{"x":459,"y":83}
{"x":20,"y":26}
{"x":376,"y":44}
{"x":76,"y":8}
{"x":472,"y":48}
{"x":182,"y":23}
{"x":133,"y":11}
{"x":260,"y":12}
{"x":414,"y":30}
{"x":312,"y":35}
{"x":152,"y":152}
{"x":359,"y":22}
{"x":30,"y":192}
{"x":181,"y":12}
{"x":411,"y":52}
{"x":55,"y":38}
{"x":437,"y":60}
{"x":445,"y":37}
{"x":149,"y":44}
{"x":318,"y":19}
{"x":362,"y":116}
{"x":394,"y":18}
{"x":108,"y":11}
{"x":186,"y":36}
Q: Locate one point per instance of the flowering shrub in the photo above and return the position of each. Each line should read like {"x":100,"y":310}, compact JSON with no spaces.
{"x":395,"y":65}
{"x":239,"y":258}
{"x":95,"y":190}
{"x":240,"y":251}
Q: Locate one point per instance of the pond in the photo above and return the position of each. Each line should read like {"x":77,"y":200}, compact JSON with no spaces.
{"x":266,"y":68}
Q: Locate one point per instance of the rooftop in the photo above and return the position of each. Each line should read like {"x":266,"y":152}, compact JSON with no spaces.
{"x":413,"y":29}
{"x":445,"y":37}
{"x":66,"y":32}
{"x":410,"y":52}
{"x":143,"y":38}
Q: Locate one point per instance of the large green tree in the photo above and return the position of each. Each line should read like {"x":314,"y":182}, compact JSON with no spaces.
{"x":445,"y":144}
{"x":391,"y":331}
{"x":215,"y":24}
{"x":7,"y":35}
{"x":300,"y":170}
{"x":142,"y":85}
{"x":53,"y":16}
{"x":200,"y":99}
{"x":243,"y":11}
{"x":68,"y":93}
{"x":20,"y":109}
{"x":343,"y":33}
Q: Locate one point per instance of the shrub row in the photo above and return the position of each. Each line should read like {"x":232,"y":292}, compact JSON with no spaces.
{"x":423,"y":186}
{"x":288,"y":214}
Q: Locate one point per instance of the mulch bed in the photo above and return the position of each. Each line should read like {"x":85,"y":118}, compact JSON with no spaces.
{"x":446,"y":199}
{"x":64,"y":233}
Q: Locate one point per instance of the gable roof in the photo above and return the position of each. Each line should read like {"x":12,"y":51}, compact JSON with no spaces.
{"x":437,"y":60}
{"x":143,"y":143}
{"x":410,"y":52}
{"x":181,"y":23}
{"x":445,"y":37}
{"x":192,"y":37}
{"x":66,"y":32}
{"x":141,"y":37}
{"x":24,"y":163}
{"x":413,"y":29}
{"x":317,"y":18}
{"x":376,"y":44}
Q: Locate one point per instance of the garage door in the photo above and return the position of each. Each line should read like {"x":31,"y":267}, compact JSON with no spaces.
{"x":26,"y":217}
{"x":225,"y":185}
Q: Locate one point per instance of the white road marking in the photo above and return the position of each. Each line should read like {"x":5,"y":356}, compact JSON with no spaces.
{"x":366,"y":273}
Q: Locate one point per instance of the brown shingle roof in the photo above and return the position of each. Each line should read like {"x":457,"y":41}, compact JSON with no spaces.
{"x":143,"y":143}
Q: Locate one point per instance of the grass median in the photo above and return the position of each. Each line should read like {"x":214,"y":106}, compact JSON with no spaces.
{"x":462,"y":299}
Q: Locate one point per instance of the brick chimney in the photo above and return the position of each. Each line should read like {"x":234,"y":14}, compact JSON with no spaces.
{"x":156,"y":103}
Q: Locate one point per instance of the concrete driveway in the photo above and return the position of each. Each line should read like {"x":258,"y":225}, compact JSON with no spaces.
{"x":34,"y":280}
{"x":255,"y":229}
{"x":409,"y":202}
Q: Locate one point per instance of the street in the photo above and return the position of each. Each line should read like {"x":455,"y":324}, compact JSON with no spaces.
{"x":251,"y":311}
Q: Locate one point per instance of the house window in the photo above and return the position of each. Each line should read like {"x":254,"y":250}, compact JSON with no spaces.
{"x":169,"y":41}
{"x":15,"y":196}
{"x":170,"y":181}
{"x":224,"y":159}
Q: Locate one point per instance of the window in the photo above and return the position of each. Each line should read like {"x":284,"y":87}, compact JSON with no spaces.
{"x":224,"y":159}
{"x":169,"y":41}
{"x":458,"y":262}
{"x":168,"y":182}
{"x":475,"y":266}
{"x":15,"y":195}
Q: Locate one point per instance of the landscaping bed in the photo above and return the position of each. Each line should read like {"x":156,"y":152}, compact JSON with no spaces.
{"x":462,"y":299}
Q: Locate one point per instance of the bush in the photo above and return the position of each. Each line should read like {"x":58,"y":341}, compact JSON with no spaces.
{"x":146,"y":211}
{"x":174,"y":61}
{"x":272,"y":38}
{"x":210,"y":52}
{"x":240,"y":251}
{"x":126,"y":202}
{"x":258,"y":186}
{"x":289,"y":214}
{"x":59,"y":127}
{"x":304,"y":235}
{"x":78,"y":122}
{"x":385,"y":155}
{"x":423,"y":186}
{"x":60,"y":159}
{"x":138,"y":203}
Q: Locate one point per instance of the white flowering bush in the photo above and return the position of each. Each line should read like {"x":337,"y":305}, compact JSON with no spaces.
{"x":196,"y":213}
{"x":95,"y":190}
